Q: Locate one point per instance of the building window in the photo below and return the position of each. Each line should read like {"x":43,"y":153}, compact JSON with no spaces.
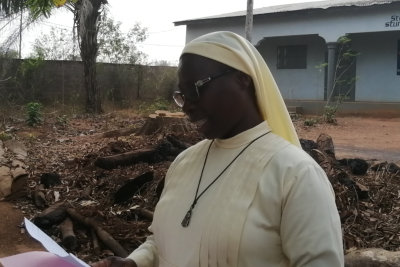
{"x":292,"y":57}
{"x":398,"y":57}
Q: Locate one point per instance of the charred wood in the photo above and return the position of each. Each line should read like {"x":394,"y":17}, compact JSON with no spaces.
{"x":104,"y":236}
{"x":52,"y":215}
{"x":162,"y":152}
{"x":68,"y":236}
{"x":95,"y":242}
{"x":131,"y":187}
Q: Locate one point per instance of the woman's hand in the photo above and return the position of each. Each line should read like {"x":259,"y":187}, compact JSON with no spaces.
{"x":115,"y":262}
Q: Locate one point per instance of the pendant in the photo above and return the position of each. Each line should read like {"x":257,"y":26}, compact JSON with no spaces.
{"x":186,"y":220}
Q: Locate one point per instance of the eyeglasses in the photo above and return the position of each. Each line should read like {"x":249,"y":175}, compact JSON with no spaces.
{"x":194,"y":95}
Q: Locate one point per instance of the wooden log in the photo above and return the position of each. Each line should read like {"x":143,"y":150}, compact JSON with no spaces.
{"x":95,"y":242}
{"x":39,"y":198}
{"x":176,"y":142}
{"x":144,"y":213}
{"x":357,"y":166}
{"x":50,"y":179}
{"x":52,"y":215}
{"x":165,"y":150}
{"x":130,"y":188}
{"x":121,"y":132}
{"x":68,"y":236}
{"x":308,"y":145}
{"x":127,"y":158}
{"x":104,"y":236}
{"x":372,"y":257}
{"x":324,"y":161}
{"x":325,"y":144}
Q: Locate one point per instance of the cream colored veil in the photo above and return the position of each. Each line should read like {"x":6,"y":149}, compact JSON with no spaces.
{"x":235,"y":51}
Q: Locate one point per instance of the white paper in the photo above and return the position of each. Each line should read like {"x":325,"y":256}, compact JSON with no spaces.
{"x":51,"y":245}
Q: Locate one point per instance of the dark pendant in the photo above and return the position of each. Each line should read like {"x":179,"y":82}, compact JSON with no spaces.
{"x":185,"y":222}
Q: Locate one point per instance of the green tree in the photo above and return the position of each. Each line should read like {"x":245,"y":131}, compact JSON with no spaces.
{"x":8,"y":53}
{"x":343,"y":81}
{"x":118,"y":47}
{"x":87,"y":19}
{"x":8,"y":7}
{"x":114,"y":45}
{"x":56,"y":45}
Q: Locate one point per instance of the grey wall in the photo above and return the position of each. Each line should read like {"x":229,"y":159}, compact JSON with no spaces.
{"x":300,"y":84}
{"x":377,"y":67}
{"x":62,"y":82}
{"x":329,"y":24}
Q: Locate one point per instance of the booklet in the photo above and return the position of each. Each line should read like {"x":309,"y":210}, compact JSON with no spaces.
{"x":56,"y":255}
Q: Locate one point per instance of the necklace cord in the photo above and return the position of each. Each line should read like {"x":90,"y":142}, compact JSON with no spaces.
{"x":197,"y":197}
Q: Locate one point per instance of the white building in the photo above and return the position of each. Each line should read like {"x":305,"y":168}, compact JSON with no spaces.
{"x":301,"y":44}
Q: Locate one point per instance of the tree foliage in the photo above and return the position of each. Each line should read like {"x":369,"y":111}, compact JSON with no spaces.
{"x":343,"y":80}
{"x":114,"y":45}
{"x":118,"y":47}
{"x":58,"y":44}
{"x":9,"y":7}
{"x":37,"y":8}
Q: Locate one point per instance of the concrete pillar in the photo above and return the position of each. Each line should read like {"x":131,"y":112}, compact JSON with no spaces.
{"x":331,"y":68}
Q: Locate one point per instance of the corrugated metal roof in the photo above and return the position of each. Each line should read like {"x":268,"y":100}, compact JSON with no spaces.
{"x":295,"y":7}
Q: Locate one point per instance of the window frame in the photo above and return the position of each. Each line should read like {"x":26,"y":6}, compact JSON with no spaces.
{"x":292,"y":57}
{"x":398,"y":57}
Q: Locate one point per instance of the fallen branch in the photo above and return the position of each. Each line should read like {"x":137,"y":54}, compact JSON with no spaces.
{"x":67,"y":230}
{"x":124,"y":159}
{"x":163,"y":151}
{"x":50,"y":216}
{"x":144,"y":213}
{"x":105,"y":237}
{"x":95,"y":241}
{"x":130,"y":188}
{"x":39,"y":198}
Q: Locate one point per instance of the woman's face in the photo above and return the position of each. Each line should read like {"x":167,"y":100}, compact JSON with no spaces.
{"x":222,"y":106}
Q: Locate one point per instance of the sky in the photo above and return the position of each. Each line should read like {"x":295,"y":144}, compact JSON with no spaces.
{"x":165,"y":41}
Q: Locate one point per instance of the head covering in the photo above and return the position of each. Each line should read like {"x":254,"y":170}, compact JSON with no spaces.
{"x":235,"y":51}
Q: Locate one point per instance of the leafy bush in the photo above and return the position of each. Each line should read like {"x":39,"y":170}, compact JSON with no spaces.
{"x":330,"y":113}
{"x":61,"y":120}
{"x":5,"y":136}
{"x":310,"y":122}
{"x":34,"y":113}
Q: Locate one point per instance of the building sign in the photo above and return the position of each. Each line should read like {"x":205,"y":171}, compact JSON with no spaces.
{"x":393,"y":22}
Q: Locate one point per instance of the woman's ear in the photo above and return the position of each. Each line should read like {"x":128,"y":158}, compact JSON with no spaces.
{"x":246,"y":82}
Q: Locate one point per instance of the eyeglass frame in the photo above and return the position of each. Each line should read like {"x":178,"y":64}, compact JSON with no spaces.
{"x":198,"y":85}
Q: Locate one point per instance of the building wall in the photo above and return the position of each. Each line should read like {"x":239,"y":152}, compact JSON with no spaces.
{"x":329,"y":24}
{"x":377,"y":78}
{"x":373,"y":29}
{"x":300,"y":84}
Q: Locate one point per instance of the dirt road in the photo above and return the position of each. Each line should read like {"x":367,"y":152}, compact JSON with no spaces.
{"x":367,"y":138}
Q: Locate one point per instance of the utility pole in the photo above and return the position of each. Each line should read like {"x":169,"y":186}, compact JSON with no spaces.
{"x":20,"y":33}
{"x":249,"y":20}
